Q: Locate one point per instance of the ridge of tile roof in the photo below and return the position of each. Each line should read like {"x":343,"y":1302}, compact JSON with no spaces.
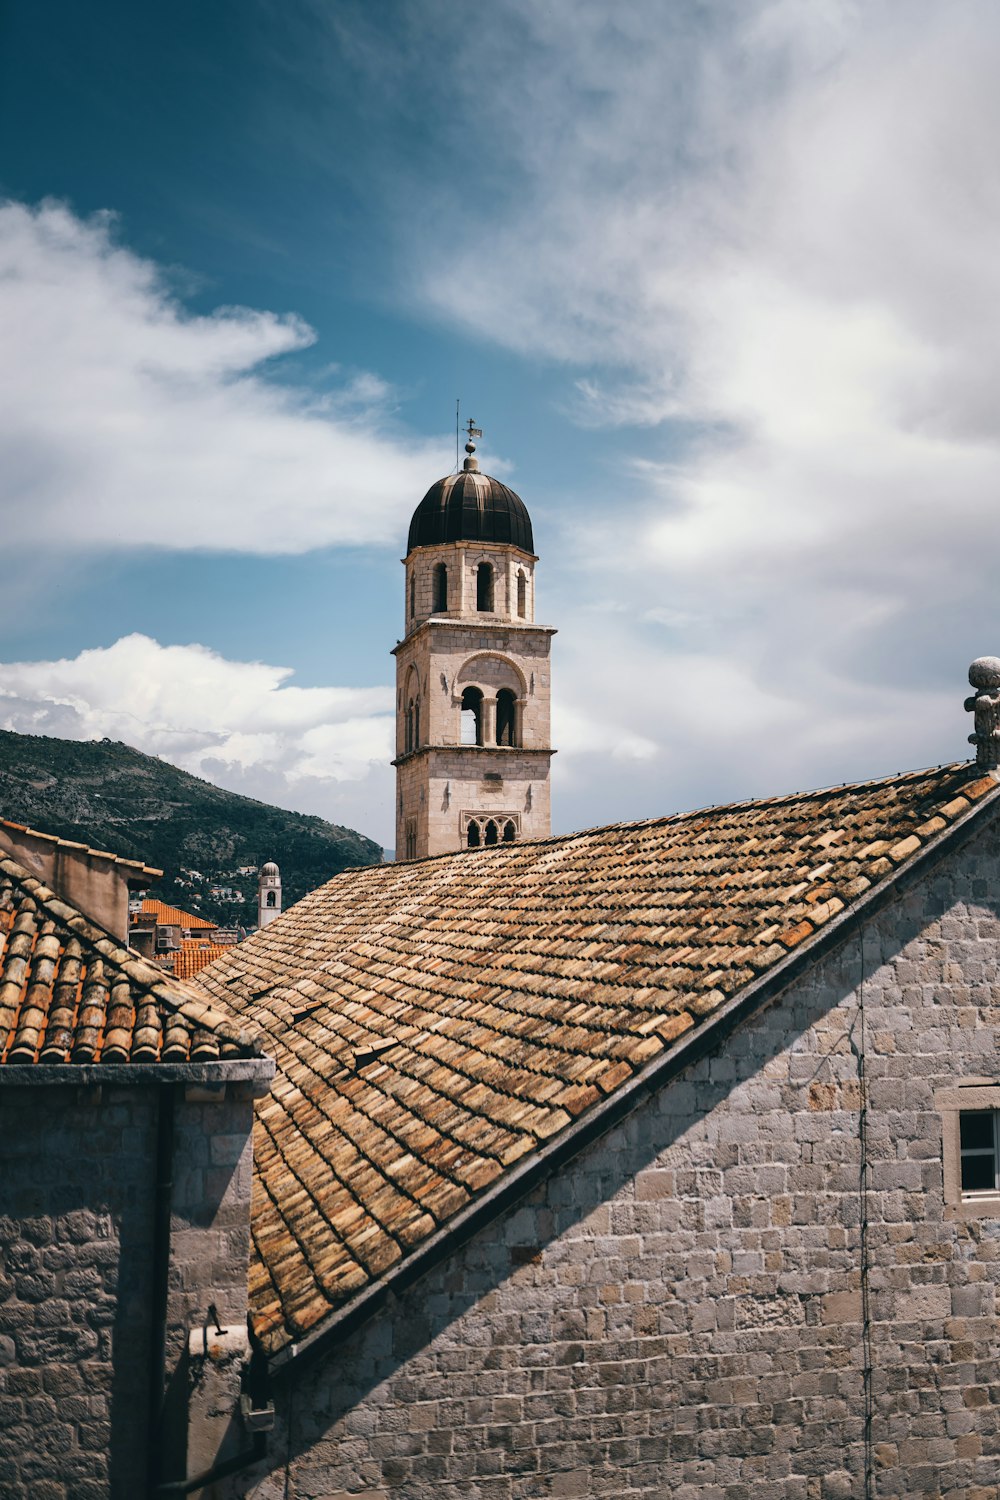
{"x":52,"y":838}
{"x":72,"y":993}
{"x":438,"y":1024}
{"x":174,"y":916}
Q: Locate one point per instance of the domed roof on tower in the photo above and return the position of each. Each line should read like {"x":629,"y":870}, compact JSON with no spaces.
{"x":470,"y":507}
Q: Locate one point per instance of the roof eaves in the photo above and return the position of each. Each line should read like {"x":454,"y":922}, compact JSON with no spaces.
{"x":512,"y":1185}
{"x":256,"y":1072}
{"x":53,"y":838}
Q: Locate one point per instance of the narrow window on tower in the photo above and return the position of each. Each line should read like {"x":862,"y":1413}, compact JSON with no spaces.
{"x":271,"y":898}
{"x":472,"y":717}
{"x":408,"y":738}
{"x":440,"y":589}
{"x":505,"y":717}
{"x":416,"y":724}
{"x":484,"y":587}
{"x":522,"y":594}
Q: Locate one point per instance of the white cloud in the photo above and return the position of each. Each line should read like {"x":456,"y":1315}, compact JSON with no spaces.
{"x":243,"y":725}
{"x":126,"y":421}
{"x":772,"y":232}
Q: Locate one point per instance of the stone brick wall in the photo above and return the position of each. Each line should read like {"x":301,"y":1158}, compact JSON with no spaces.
{"x":75,"y":1237}
{"x":77,"y":1177}
{"x":680,"y":1311}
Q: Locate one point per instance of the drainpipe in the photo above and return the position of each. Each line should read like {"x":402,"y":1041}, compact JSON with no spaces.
{"x":161,"y":1270}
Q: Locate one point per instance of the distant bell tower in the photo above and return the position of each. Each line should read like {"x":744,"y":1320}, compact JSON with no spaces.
{"x":472,"y":673}
{"x":268,"y":894}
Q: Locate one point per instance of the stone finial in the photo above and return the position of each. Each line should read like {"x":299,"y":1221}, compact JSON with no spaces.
{"x":984,"y":674}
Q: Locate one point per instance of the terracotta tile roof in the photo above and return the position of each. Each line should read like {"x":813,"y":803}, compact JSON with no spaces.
{"x":436,"y":1022}
{"x":193,"y":956}
{"x":173,"y":916}
{"x":71,"y":993}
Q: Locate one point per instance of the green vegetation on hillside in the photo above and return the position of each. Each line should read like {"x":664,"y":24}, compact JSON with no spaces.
{"x":107,"y":795}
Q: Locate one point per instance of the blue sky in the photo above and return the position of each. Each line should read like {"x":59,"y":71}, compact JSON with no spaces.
{"x":717,"y":279}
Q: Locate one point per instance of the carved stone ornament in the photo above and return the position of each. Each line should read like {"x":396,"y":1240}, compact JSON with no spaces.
{"x":984,"y":675}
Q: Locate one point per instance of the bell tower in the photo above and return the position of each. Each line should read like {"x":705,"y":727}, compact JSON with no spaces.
{"x":472,"y":673}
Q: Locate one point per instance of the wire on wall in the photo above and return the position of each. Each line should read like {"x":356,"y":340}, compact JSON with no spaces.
{"x":859,"y":1043}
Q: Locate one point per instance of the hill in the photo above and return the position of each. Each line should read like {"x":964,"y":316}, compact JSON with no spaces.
{"x":106,"y":794}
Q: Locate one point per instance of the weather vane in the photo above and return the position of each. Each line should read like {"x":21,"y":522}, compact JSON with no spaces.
{"x":472,"y":432}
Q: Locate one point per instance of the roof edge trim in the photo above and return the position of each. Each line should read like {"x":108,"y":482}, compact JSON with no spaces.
{"x":511,"y":1187}
{"x":256,"y":1071}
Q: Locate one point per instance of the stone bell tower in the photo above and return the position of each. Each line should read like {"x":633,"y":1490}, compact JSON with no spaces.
{"x":472,"y":673}
{"x":268,"y":894}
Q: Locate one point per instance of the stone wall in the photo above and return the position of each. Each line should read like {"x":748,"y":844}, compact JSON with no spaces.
{"x":77,"y":1177}
{"x":75,"y":1235}
{"x":680,"y":1312}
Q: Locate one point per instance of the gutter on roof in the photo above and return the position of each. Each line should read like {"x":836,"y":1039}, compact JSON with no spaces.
{"x":512,"y":1186}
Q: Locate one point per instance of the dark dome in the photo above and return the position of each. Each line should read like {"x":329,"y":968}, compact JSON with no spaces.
{"x":470,"y":507}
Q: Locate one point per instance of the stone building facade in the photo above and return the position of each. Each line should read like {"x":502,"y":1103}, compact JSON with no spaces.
{"x":473,"y":735}
{"x":762,"y":1280}
{"x":126,"y":1119}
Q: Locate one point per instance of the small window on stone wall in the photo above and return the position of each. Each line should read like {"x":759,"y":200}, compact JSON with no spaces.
{"x":413,"y":597}
{"x":522,"y":594}
{"x":473,"y":838}
{"x":492,"y":833}
{"x":509,"y":833}
{"x":978,"y":1152}
{"x":970,"y":1121}
{"x":411,"y":840}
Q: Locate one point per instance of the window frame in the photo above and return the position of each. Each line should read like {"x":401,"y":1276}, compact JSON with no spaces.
{"x":977,"y":1096}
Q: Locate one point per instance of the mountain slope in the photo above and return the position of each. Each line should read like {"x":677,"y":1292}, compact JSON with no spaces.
{"x":106,"y":794}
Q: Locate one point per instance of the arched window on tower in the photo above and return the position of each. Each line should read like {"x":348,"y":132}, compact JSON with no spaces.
{"x":472,"y":837}
{"x":484,"y":587}
{"x":509,"y":833}
{"x":440,"y":589}
{"x":408,"y":740}
{"x":492,"y":833}
{"x":505,"y":717}
{"x":272,"y":898}
{"x":522,"y":593}
{"x":472,"y":717}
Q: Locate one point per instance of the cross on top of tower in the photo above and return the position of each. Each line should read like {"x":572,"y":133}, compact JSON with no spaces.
{"x":472,"y":463}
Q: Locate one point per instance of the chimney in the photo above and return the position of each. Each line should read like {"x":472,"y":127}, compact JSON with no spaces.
{"x":984,"y":674}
